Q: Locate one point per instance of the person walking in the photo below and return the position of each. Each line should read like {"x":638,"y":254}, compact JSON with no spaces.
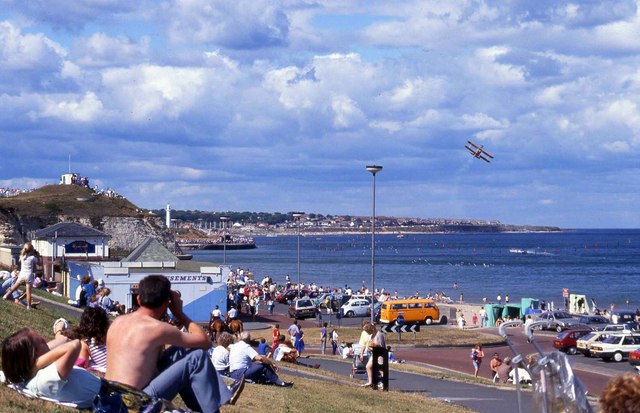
{"x":323,"y":338}
{"x":476,"y":356}
{"x":28,"y":262}
{"x":495,"y":362}
{"x":334,"y":341}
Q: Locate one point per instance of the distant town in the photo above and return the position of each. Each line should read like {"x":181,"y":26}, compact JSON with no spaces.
{"x":265,"y":223}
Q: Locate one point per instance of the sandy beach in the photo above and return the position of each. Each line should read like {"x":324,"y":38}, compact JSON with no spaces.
{"x":468,"y":310}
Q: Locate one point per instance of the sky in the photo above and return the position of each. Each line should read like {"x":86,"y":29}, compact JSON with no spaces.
{"x":278,"y":106}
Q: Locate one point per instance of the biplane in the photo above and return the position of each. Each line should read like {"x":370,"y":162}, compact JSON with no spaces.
{"x":478,"y":152}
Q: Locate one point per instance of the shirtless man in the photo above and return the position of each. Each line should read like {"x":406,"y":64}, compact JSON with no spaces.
{"x":137,"y":354}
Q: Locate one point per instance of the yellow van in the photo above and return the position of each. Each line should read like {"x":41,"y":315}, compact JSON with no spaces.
{"x":414,"y":310}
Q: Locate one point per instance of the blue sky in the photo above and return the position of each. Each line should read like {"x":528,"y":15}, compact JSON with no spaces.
{"x":255,"y":105}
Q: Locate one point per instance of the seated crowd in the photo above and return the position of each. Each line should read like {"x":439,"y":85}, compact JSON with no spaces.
{"x":96,"y":363}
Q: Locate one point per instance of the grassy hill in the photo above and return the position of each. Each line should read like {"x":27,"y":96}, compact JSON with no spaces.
{"x":72,"y":200}
{"x":326,"y":394}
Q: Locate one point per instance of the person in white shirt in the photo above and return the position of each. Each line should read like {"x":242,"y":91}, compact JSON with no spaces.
{"x":216,"y":313}
{"x":233,"y":313}
{"x":245,"y":361}
{"x":220,"y":354}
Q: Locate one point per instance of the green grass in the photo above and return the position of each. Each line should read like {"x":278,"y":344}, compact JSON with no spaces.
{"x":330,"y":394}
{"x":53,"y":200}
{"x":427,"y":336}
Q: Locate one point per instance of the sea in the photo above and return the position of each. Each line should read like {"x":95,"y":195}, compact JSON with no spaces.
{"x":602,"y":264}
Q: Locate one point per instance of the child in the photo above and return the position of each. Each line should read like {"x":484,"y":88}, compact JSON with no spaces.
{"x":263,"y":348}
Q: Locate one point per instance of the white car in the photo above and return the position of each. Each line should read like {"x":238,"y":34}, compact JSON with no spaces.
{"x":616,"y":346}
{"x":584,"y":343}
{"x":356,"y":307}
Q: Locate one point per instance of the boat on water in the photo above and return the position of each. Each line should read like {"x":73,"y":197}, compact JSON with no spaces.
{"x":400,"y":236}
{"x":236,"y":243}
{"x":536,"y":251}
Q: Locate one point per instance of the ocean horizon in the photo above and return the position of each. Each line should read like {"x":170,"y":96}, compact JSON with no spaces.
{"x":603,"y":264}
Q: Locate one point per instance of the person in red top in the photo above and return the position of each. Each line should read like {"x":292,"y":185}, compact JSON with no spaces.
{"x":276,"y":343}
{"x":476,"y":355}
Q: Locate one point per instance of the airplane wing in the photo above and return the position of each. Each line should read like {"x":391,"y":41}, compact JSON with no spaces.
{"x":485,"y":159}
{"x":473,"y":151}
{"x":486,"y":153}
{"x":473,"y":144}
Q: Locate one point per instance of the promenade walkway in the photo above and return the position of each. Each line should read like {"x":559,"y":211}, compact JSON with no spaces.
{"x":484,"y":399}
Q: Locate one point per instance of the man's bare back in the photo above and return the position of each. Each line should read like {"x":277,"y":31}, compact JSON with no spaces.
{"x":134,"y":345}
{"x":135,"y":342}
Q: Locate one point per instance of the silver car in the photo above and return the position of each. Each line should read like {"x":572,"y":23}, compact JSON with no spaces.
{"x":558,"y":320}
{"x":356,"y":307}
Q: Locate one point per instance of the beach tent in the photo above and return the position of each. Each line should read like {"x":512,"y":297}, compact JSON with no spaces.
{"x":529,"y":306}
{"x":578,"y":304}
{"x":494,"y":311}
{"x":511,"y":310}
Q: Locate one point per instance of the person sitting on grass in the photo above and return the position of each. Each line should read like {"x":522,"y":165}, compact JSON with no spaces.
{"x":287,"y":352}
{"x":392,"y":357}
{"x":47,"y":369}
{"x":263,"y":348}
{"x":160,"y":359}
{"x":220,"y":354}
{"x":245,"y":362}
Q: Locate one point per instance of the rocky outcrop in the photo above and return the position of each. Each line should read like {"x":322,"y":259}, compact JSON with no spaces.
{"x":126,"y":232}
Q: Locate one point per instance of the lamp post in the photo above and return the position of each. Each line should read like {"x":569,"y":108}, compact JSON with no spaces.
{"x":224,"y":220}
{"x":297,"y":216}
{"x":374,"y":169}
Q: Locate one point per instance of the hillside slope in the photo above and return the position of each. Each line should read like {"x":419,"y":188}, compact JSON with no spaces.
{"x":72,"y":200}
{"x":127,"y":224}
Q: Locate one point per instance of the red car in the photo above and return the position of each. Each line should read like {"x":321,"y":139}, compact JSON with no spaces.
{"x":566,"y":341}
{"x":634,"y":358}
{"x":287,"y":295}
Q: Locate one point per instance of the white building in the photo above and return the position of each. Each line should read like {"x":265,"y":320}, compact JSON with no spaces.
{"x":69,"y":240}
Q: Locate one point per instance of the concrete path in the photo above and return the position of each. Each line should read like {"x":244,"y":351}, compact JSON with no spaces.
{"x":484,"y":399}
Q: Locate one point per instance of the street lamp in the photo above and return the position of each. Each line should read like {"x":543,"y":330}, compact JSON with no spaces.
{"x":297,"y":216}
{"x":374,"y":169}
{"x":224,"y":238}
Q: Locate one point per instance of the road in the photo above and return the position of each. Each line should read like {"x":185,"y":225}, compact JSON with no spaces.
{"x":593,"y":372}
{"x":484,"y":399}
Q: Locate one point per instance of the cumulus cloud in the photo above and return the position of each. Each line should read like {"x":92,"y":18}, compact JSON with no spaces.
{"x":101,"y":50}
{"x":257,"y":100}
{"x":148,"y":90}
{"x":84,"y":109}
{"x":234,"y":24}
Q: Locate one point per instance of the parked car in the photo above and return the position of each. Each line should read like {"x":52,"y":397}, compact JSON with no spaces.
{"x":356,"y":307}
{"x":287,"y":295}
{"x":584,"y":342}
{"x":594,"y":322}
{"x":302,"y":308}
{"x":616,"y":346}
{"x":634,"y":358}
{"x":566,"y":341}
{"x":413,"y":310}
{"x":625,"y":317}
{"x":558,"y":320}
{"x":330,"y":300}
